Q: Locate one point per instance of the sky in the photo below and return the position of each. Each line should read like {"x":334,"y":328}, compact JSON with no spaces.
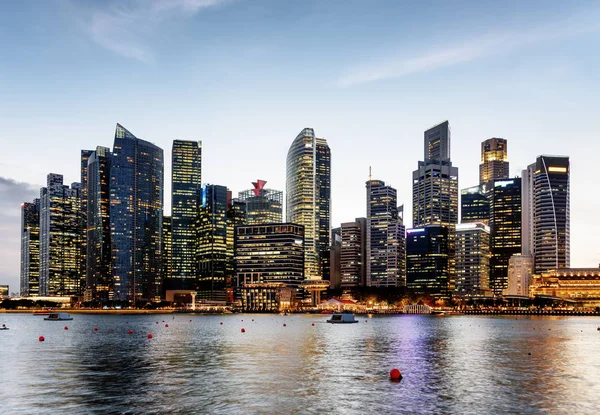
{"x":246,"y":76}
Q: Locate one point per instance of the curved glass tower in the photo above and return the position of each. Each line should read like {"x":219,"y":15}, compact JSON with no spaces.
{"x":308,"y":195}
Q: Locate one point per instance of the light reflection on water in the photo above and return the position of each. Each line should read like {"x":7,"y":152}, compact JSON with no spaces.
{"x":453,"y":364}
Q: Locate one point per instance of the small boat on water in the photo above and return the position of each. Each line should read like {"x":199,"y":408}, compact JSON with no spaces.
{"x":342,"y":318}
{"x":58,"y":317}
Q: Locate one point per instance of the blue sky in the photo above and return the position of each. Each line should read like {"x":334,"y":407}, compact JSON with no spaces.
{"x":245,"y":76}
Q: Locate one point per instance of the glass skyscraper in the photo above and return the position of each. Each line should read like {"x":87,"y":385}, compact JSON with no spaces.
{"x":474,"y":205}
{"x":99,"y":281}
{"x":427,"y":261}
{"x":186,"y":192}
{"x":308,"y":195}
{"x":136,"y":209}
{"x":30,"y":248}
{"x":353,"y":253}
{"x":262,"y":205}
{"x":472,"y":259}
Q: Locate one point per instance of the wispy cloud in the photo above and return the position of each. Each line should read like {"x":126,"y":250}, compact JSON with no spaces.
{"x":125,"y":27}
{"x":474,"y":48}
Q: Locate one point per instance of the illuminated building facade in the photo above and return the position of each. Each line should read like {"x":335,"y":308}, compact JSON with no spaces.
{"x":99,"y":280}
{"x":520,"y":272}
{"x":334,"y":264}
{"x":167,"y":248}
{"x":494,"y":160}
{"x":30,"y":248}
{"x":271,"y":253}
{"x":212,"y":243}
{"x":474,"y":205}
{"x":185,"y":208}
{"x":385,"y":237}
{"x":136,"y":210}
{"x":262,"y":205}
{"x":472,"y":259}
{"x":60,"y":238}
{"x":578,"y":284}
{"x":308,"y":195}
{"x":505,"y":225}
{"x":427,"y":261}
{"x":353,"y":253}
{"x":84,"y":159}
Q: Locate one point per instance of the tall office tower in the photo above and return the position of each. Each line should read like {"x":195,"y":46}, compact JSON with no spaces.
{"x":427,"y":261}
{"x":236,"y":216}
{"x":167,"y":247}
{"x":30,"y":248}
{"x":270,"y":254}
{"x":262,"y":205}
{"x":474,"y":205}
{"x":185,"y":208}
{"x":527,"y":209}
{"x":435,"y":190}
{"x":136,"y":211}
{"x":99,"y":280}
{"x":85,"y":156}
{"x":385,"y":237}
{"x":308,"y":191}
{"x":353,"y":253}
{"x":335,"y":259}
{"x":505,"y":226}
{"x":520,"y":272}
{"x":472,"y":259}
{"x":60,"y":238}
{"x":552,"y":243}
{"x":494,"y":160}
{"x":212,"y":244}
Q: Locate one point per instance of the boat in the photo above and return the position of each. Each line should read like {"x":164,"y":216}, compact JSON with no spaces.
{"x":58,"y":317}
{"x":342,"y":318}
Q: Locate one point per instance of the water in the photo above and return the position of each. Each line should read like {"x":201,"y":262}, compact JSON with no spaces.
{"x":451,"y":365}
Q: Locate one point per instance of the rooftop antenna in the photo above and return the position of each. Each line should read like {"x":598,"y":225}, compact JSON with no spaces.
{"x":369,"y":173}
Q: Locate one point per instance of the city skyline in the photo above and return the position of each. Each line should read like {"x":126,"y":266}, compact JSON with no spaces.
{"x":541,"y":101}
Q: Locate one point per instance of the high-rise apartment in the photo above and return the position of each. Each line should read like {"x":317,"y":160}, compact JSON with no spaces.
{"x":136,"y":210}
{"x":308,"y":195}
{"x":353,"y":253}
{"x":472,"y":259}
{"x":494,"y":160}
{"x":263,"y":206}
{"x":99,"y":280}
{"x":30,"y":248}
{"x":185,"y":208}
{"x":505,"y":226}
{"x":60,"y":238}
{"x":385,"y":237}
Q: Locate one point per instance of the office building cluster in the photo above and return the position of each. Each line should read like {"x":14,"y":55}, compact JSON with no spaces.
{"x":105,"y":239}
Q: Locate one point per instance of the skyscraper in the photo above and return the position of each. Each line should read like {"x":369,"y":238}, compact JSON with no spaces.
{"x":308,"y":191}
{"x":494,"y":160}
{"x":427,"y":261}
{"x":167,"y":247}
{"x":472,"y":258}
{"x":435,"y":193}
{"x":552,"y":244}
{"x":262,"y":205}
{"x":520,"y":272}
{"x":505,"y":226}
{"x":212,"y":243}
{"x":186,"y":192}
{"x":85,"y":156}
{"x":30,"y":248}
{"x":99,"y":280}
{"x":385,"y":237}
{"x":474,"y":205}
{"x":136,"y":210}
{"x":353,"y":253}
{"x":60,"y":238}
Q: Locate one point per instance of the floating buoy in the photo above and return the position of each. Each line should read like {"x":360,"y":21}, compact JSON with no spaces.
{"x":395,"y":375}
{"x":3,"y":325}
{"x":66,"y":328}
{"x":365,"y":321}
{"x":529,"y":354}
{"x":313,"y":324}
{"x":252,"y":319}
{"x":129,"y":331}
{"x":221,"y":323}
{"x":163,"y":321}
{"x":127,"y":322}
{"x":95,"y":328}
{"x":243,"y":330}
{"x":157,"y":322}
{"x":598,"y":329}
{"x":166,"y":325}
{"x":41,"y":338}
{"x":242,"y":321}
{"x":190,"y":321}
{"x":283,"y":324}
{"x":149,"y":336}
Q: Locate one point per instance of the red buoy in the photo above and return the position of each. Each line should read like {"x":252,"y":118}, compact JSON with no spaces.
{"x":190,"y":321}
{"x":395,"y":375}
{"x":157,"y":322}
{"x":252,"y":319}
{"x":66,"y":328}
{"x":166,"y":325}
{"x":242,"y":321}
{"x":313,"y":324}
{"x":365,"y":321}
{"x":129,"y":331}
{"x":3,"y":325}
{"x":243,"y":330}
{"x":221,"y":323}
{"x":41,"y":338}
{"x":283,"y":324}
{"x":163,"y":321}
{"x":95,"y":328}
{"x":149,"y":336}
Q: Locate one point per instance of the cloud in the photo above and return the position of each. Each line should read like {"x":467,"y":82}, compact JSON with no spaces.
{"x":476,"y":47}
{"x":12,"y":194}
{"x":125,"y":27}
